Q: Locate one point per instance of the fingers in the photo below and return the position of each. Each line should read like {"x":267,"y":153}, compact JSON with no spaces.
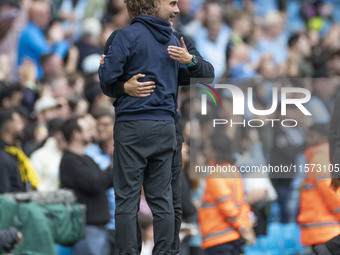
{"x":183,"y":43}
{"x":247,"y":234}
{"x":139,"y":89}
{"x":175,"y":53}
{"x":143,"y":95}
{"x":138,"y":76}
{"x":148,"y":84}
{"x":146,"y":88}
{"x":102,"y":59}
{"x":175,"y":49}
{"x":179,"y":54}
{"x":175,"y":58}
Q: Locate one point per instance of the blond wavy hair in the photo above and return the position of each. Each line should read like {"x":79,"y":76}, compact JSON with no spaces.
{"x":146,"y":7}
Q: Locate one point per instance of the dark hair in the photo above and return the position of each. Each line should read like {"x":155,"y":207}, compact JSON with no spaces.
{"x":221,"y":145}
{"x":55,"y":125}
{"x":7,"y":91}
{"x":69,"y":127}
{"x":44,"y":58}
{"x":236,"y":15}
{"x":73,"y":102}
{"x":294,"y":39}
{"x":92,"y":90}
{"x":146,"y":7}
{"x":102,"y":112}
{"x":6,"y":115}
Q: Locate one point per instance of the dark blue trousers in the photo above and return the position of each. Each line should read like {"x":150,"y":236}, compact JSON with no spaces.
{"x":231,"y":248}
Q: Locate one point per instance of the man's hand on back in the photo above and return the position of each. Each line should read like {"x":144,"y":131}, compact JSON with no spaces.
{"x":135,"y":88}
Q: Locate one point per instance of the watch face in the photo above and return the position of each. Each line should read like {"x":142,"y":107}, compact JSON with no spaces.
{"x":194,"y":59}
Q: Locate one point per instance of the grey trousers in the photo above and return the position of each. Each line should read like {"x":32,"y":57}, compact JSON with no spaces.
{"x":142,"y":156}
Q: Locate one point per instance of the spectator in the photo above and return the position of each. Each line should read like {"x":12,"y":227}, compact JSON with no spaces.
{"x":319,"y":215}
{"x":13,"y":17}
{"x":95,"y":8}
{"x":101,"y":152}
{"x":287,"y":144}
{"x":324,"y":49}
{"x":59,"y":87}
{"x":39,"y":18}
{"x":79,"y":105}
{"x":212,"y":38}
{"x":260,"y":193}
{"x":185,"y":16}
{"x":46,"y":160}
{"x":333,"y":64}
{"x":45,"y":109}
{"x":16,"y":171}
{"x":241,"y":25}
{"x":268,"y":70}
{"x":89,"y":42}
{"x":299,"y":52}
{"x":10,"y":95}
{"x":80,"y":173}
{"x":273,"y":40}
{"x":116,"y":14}
{"x":72,"y":13}
{"x":239,"y":63}
{"x":63,"y":108}
{"x":224,"y":216}
{"x":52,"y":66}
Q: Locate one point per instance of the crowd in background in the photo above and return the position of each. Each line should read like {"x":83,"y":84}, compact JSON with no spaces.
{"x":49,"y":58}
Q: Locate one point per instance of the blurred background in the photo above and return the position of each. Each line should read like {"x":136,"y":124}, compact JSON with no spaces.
{"x":49,"y":58}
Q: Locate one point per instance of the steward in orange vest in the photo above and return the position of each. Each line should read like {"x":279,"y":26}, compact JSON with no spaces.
{"x":224,"y":215}
{"x":319,"y":216}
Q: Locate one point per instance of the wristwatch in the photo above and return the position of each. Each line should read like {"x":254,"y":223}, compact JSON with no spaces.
{"x":194,"y":61}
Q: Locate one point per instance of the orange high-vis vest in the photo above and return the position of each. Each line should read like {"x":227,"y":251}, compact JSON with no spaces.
{"x":319,"y":216}
{"x":223,"y":211}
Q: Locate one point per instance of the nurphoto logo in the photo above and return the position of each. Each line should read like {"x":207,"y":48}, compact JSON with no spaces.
{"x":244,"y":102}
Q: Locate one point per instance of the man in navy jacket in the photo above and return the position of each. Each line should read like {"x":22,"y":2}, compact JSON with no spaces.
{"x":144,"y":128}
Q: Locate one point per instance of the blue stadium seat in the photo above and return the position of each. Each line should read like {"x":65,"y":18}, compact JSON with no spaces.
{"x":62,"y":250}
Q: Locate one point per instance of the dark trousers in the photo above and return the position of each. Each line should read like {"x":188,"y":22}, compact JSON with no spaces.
{"x":111,"y":237}
{"x":288,"y":200}
{"x":333,"y":245}
{"x":231,"y":248}
{"x":142,"y":156}
{"x":321,"y":249}
{"x":176,"y":168}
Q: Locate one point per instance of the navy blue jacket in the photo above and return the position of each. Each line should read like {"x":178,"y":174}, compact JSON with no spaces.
{"x":141,"y":47}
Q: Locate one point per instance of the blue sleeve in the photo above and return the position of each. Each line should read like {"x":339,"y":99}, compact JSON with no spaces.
{"x":61,"y":48}
{"x":40,"y":45}
{"x":115,"y":60}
